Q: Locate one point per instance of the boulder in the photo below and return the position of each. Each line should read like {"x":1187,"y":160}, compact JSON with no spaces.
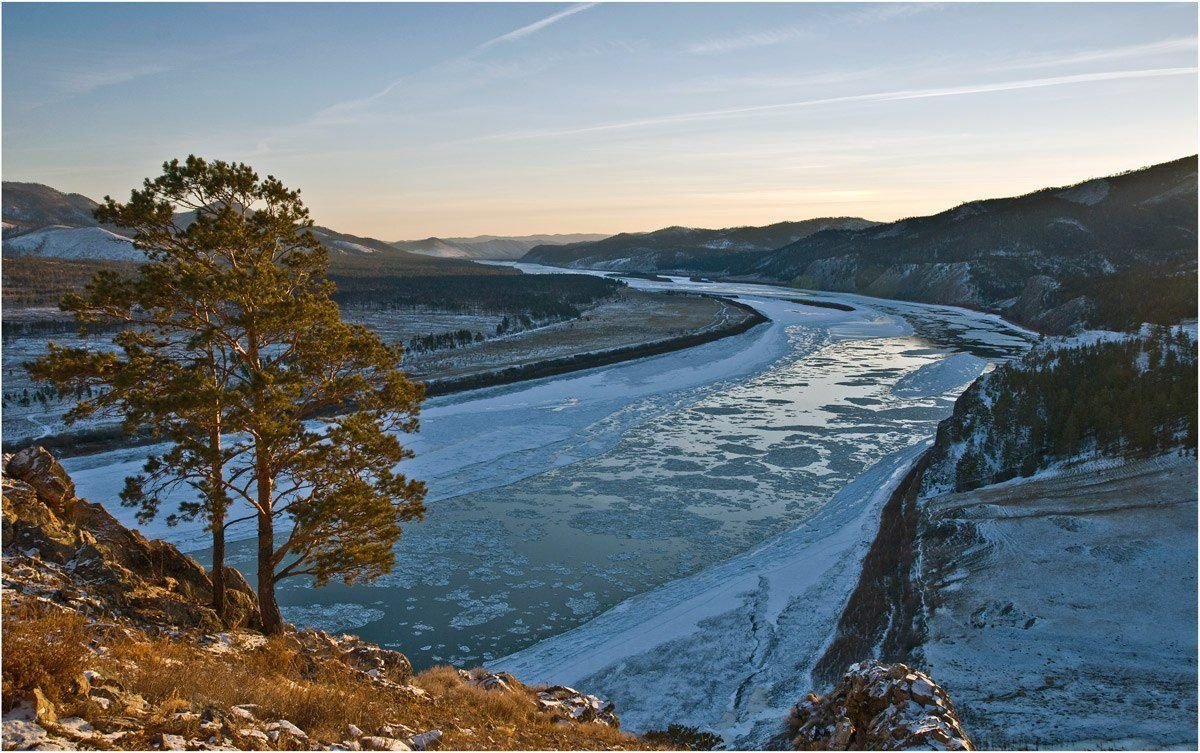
{"x":50,"y":481}
{"x":568,"y":704}
{"x":878,"y":707}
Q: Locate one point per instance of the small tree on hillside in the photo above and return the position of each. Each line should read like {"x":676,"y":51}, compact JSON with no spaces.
{"x":312,"y":404}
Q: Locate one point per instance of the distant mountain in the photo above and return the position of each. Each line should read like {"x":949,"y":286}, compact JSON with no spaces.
{"x":42,"y":222}
{"x":678,"y":248}
{"x":1110,"y":252}
{"x":30,"y":206}
{"x":490,"y":246}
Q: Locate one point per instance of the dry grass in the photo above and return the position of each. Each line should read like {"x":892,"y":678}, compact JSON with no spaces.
{"x":323,"y":699}
{"x":43,"y":648}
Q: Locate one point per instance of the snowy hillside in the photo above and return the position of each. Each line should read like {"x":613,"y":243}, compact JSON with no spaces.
{"x":60,"y":242}
{"x":1062,"y":608}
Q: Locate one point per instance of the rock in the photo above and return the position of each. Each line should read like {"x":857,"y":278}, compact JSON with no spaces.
{"x":77,"y":726}
{"x":878,"y":707}
{"x":170,"y":742}
{"x":397,"y":730}
{"x":49,"y":480}
{"x":571,"y":705}
{"x":276,"y":730}
{"x":375,"y":742}
{"x":380,"y":664}
{"x":353,"y":731}
{"x":481,"y":678}
{"x":43,"y":709}
{"x":425,"y":739}
{"x":244,"y":711}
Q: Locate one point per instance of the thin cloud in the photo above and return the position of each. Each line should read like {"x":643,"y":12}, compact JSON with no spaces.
{"x":352,"y":111}
{"x":747,"y":41}
{"x":770,"y":37}
{"x":91,"y":79}
{"x":536,"y":26}
{"x":893,"y":96}
{"x":1124,"y":52}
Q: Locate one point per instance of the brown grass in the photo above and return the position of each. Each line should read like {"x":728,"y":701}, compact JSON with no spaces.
{"x":323,"y":699}
{"x":43,"y":648}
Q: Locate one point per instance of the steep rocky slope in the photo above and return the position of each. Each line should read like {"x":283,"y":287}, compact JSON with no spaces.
{"x":877,"y":707}
{"x":108,"y":644}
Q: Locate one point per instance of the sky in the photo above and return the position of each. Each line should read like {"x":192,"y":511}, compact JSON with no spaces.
{"x":403,"y":121}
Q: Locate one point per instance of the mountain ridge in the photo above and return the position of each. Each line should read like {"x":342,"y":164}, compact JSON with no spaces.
{"x":1054,"y":259}
{"x":658,"y":250}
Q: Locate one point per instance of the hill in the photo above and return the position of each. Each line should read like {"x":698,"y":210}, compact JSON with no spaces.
{"x":29,"y":206}
{"x":1057,"y":259}
{"x":43,"y":223}
{"x":681,"y":248}
{"x":490,"y":246}
{"x":1084,"y":253}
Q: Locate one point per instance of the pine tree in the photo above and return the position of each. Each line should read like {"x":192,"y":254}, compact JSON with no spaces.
{"x":299,"y":409}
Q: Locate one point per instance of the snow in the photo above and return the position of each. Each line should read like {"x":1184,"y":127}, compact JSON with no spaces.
{"x":62,"y":242}
{"x":1089,"y":194}
{"x":1070,"y":621}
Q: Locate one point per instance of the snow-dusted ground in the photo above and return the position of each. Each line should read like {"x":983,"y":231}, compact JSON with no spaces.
{"x":1064,"y":612}
{"x":58,"y":241}
{"x":556,"y":500}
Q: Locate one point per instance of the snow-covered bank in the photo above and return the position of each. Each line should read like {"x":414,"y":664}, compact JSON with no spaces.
{"x":731,"y":647}
{"x":1063,"y":606}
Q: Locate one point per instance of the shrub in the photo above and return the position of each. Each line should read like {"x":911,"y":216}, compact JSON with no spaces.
{"x":44,"y":647}
{"x":679,"y":737}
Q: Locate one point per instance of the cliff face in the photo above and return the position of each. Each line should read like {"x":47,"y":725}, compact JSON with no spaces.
{"x":109,"y":643}
{"x":58,"y":538}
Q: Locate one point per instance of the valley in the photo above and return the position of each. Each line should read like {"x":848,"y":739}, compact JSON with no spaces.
{"x":557,"y":500}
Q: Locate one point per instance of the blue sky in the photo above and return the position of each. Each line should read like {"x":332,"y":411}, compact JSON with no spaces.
{"x":404,"y":121}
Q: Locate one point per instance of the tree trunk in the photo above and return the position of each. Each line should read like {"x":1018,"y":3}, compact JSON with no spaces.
{"x":268,"y":608}
{"x":217,"y":505}
{"x":218,"y":568}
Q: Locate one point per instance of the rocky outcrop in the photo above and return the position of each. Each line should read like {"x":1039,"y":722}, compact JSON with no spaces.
{"x":564,"y":705}
{"x":878,"y":707}
{"x":54,"y":541}
{"x":380,"y":664}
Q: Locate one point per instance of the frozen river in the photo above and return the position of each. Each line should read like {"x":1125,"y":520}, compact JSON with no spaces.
{"x":553,"y":501}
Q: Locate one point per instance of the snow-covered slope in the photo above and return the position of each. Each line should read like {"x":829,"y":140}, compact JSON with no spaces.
{"x":61,"y":242}
{"x":1063,"y":606}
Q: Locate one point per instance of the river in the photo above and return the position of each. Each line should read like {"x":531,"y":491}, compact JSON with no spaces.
{"x":555,"y":500}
